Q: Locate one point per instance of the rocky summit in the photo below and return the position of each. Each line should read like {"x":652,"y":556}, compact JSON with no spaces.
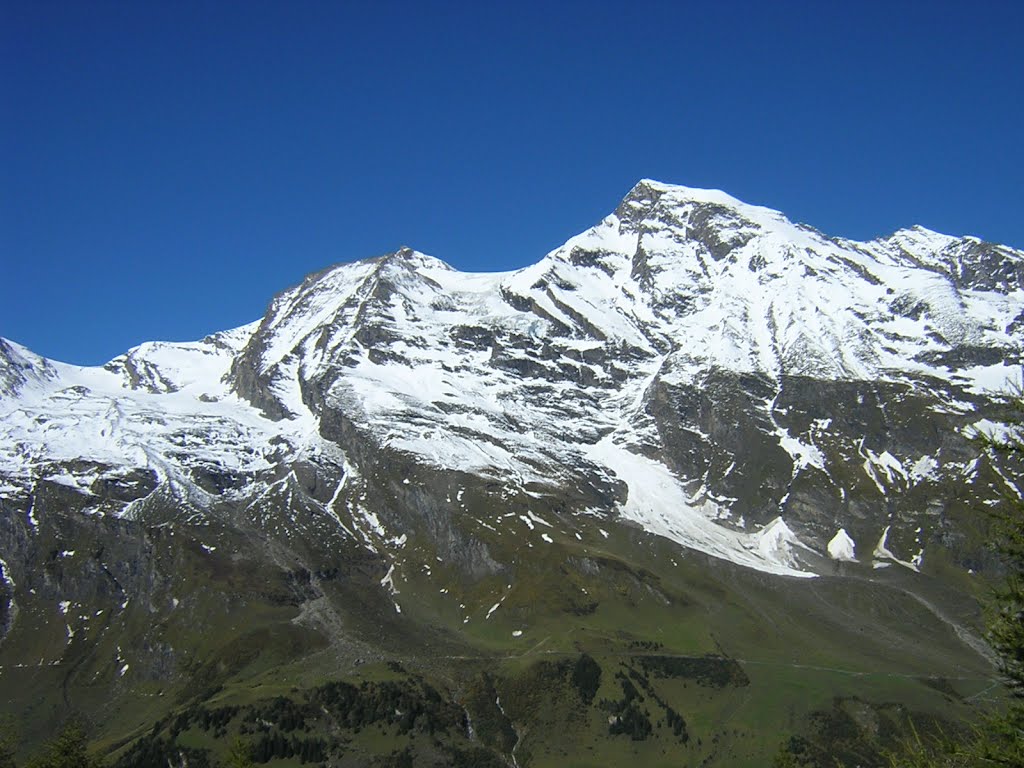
{"x":697,"y":484}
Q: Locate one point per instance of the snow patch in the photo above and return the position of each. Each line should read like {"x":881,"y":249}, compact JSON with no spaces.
{"x":388,"y":582}
{"x":925,"y":468}
{"x":881,"y":468}
{"x":5,"y":574}
{"x":538,"y":519}
{"x":842,"y":547}
{"x":991,"y":379}
{"x":882,"y":552}
{"x":803,"y":454}
{"x":775,"y":543}
{"x":658,"y":502}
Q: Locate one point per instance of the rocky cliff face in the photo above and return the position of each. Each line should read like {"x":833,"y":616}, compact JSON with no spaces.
{"x":692,"y":367}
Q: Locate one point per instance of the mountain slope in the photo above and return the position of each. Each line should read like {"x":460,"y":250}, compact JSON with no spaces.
{"x":412,"y":447}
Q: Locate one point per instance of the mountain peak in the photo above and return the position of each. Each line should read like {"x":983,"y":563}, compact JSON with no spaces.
{"x":681,"y":193}
{"x":677,"y":205}
{"x":19,"y":365}
{"x":921,"y":235}
{"x":412,"y":259}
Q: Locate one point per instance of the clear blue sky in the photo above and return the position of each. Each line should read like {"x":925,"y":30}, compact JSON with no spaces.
{"x":165,"y":168}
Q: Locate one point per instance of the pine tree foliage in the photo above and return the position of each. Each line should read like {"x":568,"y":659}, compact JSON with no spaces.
{"x":7,"y":746}
{"x":70,"y":749}
{"x":240,"y":755}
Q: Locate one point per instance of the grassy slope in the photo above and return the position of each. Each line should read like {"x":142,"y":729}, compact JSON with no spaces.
{"x":802,"y":645}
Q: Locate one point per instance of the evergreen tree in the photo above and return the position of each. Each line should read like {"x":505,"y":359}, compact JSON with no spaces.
{"x":68,"y":750}
{"x":240,"y":755}
{"x":7,"y":744}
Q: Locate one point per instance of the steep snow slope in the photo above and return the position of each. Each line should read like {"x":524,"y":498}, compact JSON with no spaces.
{"x":661,"y":357}
{"x":155,"y":415}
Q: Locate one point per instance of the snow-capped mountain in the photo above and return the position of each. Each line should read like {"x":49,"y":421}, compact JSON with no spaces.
{"x":705,"y":368}
{"x":633,"y":456}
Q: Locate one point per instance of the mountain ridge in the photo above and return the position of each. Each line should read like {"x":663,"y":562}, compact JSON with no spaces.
{"x":697,"y":443}
{"x":600,"y":317}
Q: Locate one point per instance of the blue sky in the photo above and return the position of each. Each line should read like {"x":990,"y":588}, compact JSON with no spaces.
{"x":165,"y":168}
